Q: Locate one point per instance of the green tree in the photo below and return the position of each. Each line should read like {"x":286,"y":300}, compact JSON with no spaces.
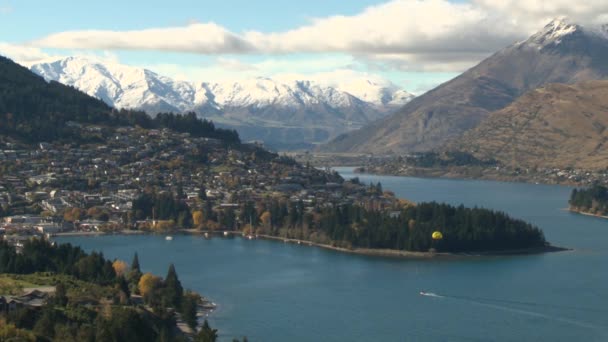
{"x":188,"y":309}
{"x":123,"y":286}
{"x":61,"y":297}
{"x":206,"y":334}
{"x":135,"y":274}
{"x":173,"y":290}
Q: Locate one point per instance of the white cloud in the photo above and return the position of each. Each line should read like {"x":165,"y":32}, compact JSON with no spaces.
{"x":424,"y":35}
{"x":421,"y":62}
{"x":199,"y":38}
{"x":526,"y":11}
{"x":23,"y":54}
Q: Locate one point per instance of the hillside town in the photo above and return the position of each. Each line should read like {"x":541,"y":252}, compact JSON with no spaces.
{"x":53,"y":188}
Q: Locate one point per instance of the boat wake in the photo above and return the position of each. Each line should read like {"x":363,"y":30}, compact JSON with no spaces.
{"x":430,"y":294}
{"x":501,"y":304}
{"x":538,"y":314}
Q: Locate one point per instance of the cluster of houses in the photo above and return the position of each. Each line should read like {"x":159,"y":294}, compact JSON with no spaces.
{"x":546,"y":175}
{"x":574,"y":176}
{"x":50,"y":188}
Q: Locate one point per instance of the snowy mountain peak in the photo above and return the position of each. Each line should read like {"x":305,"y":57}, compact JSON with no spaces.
{"x":124,"y":86}
{"x":553,"y":33}
{"x":378,"y":94}
{"x":560,"y":29}
{"x":283,"y":110}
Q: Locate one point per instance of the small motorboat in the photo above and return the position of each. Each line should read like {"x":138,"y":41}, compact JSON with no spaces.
{"x":168,"y":237}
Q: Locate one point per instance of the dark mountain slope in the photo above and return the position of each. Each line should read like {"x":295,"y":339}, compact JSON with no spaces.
{"x":560,"y":53}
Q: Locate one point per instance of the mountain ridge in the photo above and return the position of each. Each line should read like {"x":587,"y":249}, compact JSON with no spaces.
{"x":562,"y":52}
{"x":286,"y":109}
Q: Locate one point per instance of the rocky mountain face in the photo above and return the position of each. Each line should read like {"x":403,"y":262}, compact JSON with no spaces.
{"x":278,"y":113}
{"x":557,"y":126}
{"x":562,"y":52}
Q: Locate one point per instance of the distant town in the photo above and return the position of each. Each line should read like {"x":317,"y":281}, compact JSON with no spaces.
{"x":54,"y":188}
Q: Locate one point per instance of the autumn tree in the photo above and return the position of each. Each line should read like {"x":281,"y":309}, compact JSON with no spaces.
{"x":72,"y":214}
{"x":120,"y":267}
{"x":266,"y":219}
{"x":148,"y":283}
{"x":197,"y":218}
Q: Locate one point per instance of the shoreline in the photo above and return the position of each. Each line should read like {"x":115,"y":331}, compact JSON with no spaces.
{"x":489,"y":176}
{"x":580,"y":212}
{"x":371,"y":252}
{"x":81,"y":233}
{"x":402,"y":254}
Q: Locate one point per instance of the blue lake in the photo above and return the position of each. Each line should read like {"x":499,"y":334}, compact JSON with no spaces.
{"x":271,"y":291}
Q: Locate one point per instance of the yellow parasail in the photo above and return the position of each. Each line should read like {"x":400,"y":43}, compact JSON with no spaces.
{"x":437,"y":236}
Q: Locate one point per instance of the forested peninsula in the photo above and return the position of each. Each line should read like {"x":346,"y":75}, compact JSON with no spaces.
{"x":381,"y":222}
{"x":590,"y":201}
{"x":407,"y":227}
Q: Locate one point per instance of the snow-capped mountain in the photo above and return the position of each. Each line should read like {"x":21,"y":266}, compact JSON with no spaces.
{"x":257,"y":107}
{"x":118,"y":85}
{"x":380,"y":95}
{"x":559,"y":29}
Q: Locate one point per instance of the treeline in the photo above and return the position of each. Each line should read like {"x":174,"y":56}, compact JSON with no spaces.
{"x":40,"y":256}
{"x":34,"y":110}
{"x":353,"y":226}
{"x":186,"y":123}
{"x":400,"y":227}
{"x":162,"y":206}
{"x":65,"y":318}
{"x":593,"y":200}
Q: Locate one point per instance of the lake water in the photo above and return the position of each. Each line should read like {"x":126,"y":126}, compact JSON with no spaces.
{"x":271,"y":291}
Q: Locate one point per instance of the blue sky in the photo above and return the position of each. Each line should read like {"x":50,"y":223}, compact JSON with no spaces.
{"x":238,"y":15}
{"x":415,"y":44}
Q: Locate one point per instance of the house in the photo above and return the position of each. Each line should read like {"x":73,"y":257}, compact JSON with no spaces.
{"x":34,"y":298}
{"x":90,"y":225}
{"x":54,"y":205}
{"x":10,"y":304}
{"x":48,"y":228}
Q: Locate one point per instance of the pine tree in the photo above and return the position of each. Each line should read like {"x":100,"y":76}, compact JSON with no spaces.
{"x":173,"y":288}
{"x":135,"y":263}
{"x":124,"y":286}
{"x":206,"y":334}
{"x":61,"y":298}
{"x":135,"y":274}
